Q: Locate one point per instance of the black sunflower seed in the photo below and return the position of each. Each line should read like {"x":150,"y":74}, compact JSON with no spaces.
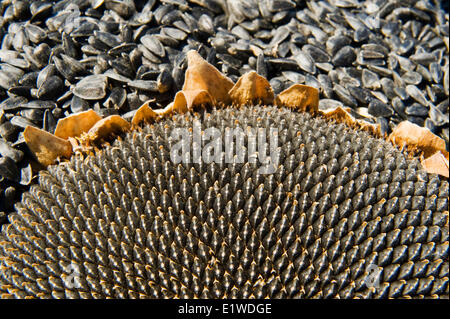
{"x":92,"y":87}
{"x":7,"y":151}
{"x":51,"y":88}
{"x":344,"y":57}
{"x":378,"y":108}
{"x":8,"y":169}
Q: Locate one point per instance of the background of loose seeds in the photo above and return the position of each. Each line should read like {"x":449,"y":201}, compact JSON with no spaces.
{"x":386,"y":59}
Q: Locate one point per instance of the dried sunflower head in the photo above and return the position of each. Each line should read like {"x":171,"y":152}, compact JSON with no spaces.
{"x":344,"y":215}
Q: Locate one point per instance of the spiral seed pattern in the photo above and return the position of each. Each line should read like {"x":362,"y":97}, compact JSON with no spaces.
{"x":340,"y":205}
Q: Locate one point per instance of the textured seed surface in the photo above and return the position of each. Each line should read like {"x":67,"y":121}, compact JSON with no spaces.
{"x":137,"y":225}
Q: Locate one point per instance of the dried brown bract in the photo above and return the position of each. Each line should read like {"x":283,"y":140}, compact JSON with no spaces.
{"x":343,"y":116}
{"x":408,"y":134}
{"x":252,"y":89}
{"x":437,"y":164}
{"x":186,"y":100}
{"x":300,"y":97}
{"x":412,"y":136}
{"x":45,"y":146}
{"x":76,"y":124}
{"x":201,"y":75}
{"x":144,"y":114}
{"x":104,"y":128}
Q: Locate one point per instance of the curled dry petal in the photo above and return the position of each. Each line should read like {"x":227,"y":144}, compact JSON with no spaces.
{"x":411,"y":135}
{"x":186,"y":100}
{"x":301,"y":97}
{"x":197,"y":98}
{"x":165,"y":111}
{"x":76,"y":124}
{"x":200,"y":75}
{"x":179,"y":104}
{"x":46,"y":146}
{"x":437,"y":164}
{"x":75,"y":144}
{"x":144,"y":114}
{"x":342,"y":116}
{"x":251,"y":88}
{"x":104,"y":128}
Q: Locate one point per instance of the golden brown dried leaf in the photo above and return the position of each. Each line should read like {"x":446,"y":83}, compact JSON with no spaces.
{"x":342,"y":115}
{"x":144,"y":114}
{"x":301,"y":97}
{"x":179,"y":103}
{"x":75,"y":144}
{"x":46,"y":146}
{"x":252,"y":89}
{"x":167,"y":110}
{"x":339,"y":114}
{"x":408,"y":134}
{"x":437,"y":164}
{"x":186,"y":100}
{"x":76,"y":124}
{"x":200,"y":75}
{"x":106,"y":127}
{"x":197,"y":98}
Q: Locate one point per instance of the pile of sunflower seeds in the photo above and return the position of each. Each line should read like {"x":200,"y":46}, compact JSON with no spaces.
{"x":387,"y":60}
